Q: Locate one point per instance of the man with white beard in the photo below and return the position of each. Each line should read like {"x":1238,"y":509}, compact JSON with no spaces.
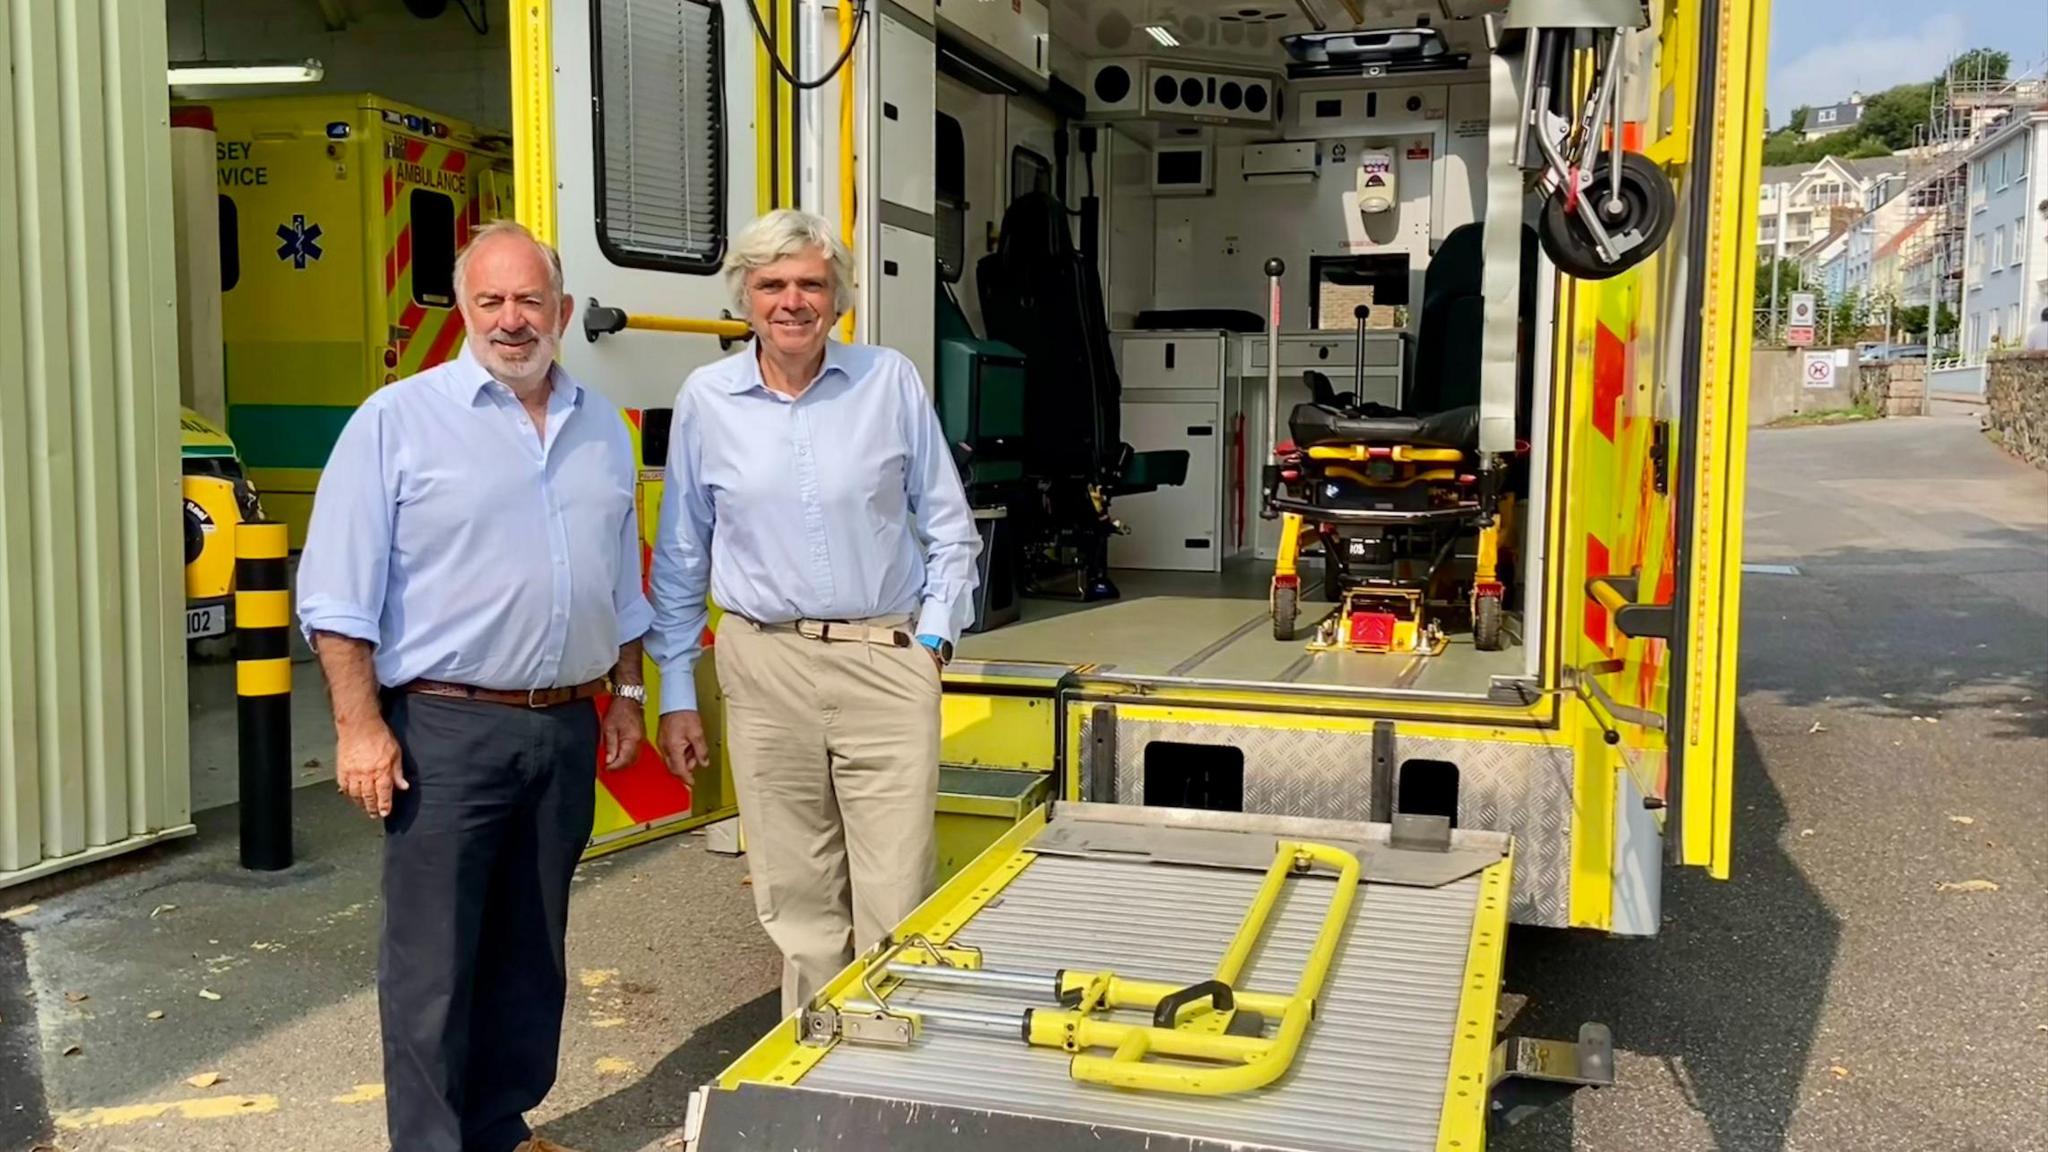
{"x":471,"y":581}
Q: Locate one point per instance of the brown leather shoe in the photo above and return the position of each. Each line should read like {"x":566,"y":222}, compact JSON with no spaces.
{"x":539,"y":1145}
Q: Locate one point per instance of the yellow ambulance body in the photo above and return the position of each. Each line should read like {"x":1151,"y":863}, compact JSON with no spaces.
{"x":341,"y":217}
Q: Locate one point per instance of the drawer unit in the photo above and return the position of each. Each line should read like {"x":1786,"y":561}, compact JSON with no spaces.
{"x":1325,"y":351}
{"x":1178,"y":361}
{"x":1181,"y":390}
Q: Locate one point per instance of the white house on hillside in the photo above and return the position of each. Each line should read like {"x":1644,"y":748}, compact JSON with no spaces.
{"x":2005,"y":270}
{"x":1834,"y":118}
{"x":1801,"y":202}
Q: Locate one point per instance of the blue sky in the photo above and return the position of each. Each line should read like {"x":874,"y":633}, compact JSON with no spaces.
{"x":1821,"y":50}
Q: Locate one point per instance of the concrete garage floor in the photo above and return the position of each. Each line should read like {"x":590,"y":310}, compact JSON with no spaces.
{"x":1839,"y":993}
{"x":215,"y":780}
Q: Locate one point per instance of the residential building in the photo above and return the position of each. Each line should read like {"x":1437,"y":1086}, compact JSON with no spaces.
{"x":1826,"y":262}
{"x":1894,"y":277}
{"x":1885,"y":214}
{"x":2006,"y":236}
{"x":1804,"y":203}
{"x":1834,"y":118}
{"x":1829,"y":277}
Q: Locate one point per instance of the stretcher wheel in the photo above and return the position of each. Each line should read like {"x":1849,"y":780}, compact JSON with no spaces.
{"x":1486,"y":620}
{"x":1648,"y":205}
{"x":1286,"y":606}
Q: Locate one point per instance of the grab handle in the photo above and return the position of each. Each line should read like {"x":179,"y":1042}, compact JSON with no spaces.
{"x":1214,"y":991}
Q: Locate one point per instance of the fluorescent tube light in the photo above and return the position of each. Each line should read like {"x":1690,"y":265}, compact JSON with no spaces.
{"x":1166,"y":39}
{"x":204,"y":72}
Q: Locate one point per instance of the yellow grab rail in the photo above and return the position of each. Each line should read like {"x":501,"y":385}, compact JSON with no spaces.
{"x":599,"y":320}
{"x":1247,"y":1062}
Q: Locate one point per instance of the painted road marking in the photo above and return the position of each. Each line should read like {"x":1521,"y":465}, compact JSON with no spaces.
{"x":1772,"y":569}
{"x":362,"y":1094}
{"x":210,"y":1108}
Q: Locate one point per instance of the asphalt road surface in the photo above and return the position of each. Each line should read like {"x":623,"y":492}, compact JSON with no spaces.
{"x":1893,"y":739}
{"x":1839,"y":993}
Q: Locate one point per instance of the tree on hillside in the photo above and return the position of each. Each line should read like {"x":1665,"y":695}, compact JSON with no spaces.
{"x":1978,"y":64}
{"x":1787,"y":148}
{"x":1891,"y":120}
{"x":1893,"y":117}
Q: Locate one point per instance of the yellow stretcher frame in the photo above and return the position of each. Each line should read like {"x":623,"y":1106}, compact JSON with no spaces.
{"x":1248,"y":1062}
{"x":1254,"y":1062}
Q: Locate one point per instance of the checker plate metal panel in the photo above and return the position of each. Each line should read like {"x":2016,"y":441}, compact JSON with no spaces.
{"x":1524,"y":790}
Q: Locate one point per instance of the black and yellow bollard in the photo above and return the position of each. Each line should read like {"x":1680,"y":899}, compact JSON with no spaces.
{"x":263,"y":693}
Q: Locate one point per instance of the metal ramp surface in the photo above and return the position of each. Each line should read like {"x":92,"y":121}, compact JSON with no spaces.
{"x":1406,"y":1010}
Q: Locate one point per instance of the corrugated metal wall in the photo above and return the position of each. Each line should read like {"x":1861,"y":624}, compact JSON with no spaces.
{"x":93,"y":747}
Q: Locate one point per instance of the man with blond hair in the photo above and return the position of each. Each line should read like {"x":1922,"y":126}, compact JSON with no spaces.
{"x":810,"y":491}
{"x":471,"y":582}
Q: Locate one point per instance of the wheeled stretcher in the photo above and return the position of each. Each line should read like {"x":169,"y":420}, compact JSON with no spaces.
{"x":1387,"y":497}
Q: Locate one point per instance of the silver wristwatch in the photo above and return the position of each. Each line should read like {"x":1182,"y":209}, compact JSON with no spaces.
{"x":637,"y":693}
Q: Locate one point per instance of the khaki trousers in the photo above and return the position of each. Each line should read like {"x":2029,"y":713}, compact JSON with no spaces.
{"x":835,"y":756}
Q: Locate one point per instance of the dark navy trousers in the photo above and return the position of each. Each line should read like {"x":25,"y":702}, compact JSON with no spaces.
{"x":478,"y":854}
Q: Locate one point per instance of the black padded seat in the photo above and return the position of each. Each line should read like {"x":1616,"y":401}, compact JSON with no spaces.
{"x":1314,"y":426}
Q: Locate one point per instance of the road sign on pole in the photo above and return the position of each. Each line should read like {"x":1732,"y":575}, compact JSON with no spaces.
{"x":1819,"y":369}
{"x":1799,"y":319}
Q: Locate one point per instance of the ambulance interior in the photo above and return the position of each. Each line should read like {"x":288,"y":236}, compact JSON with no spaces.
{"x":1189,"y":143}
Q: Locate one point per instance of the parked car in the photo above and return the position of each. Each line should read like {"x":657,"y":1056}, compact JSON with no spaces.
{"x":218,"y":496}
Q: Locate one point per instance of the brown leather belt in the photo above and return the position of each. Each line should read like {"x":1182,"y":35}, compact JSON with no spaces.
{"x":842,"y":631}
{"x":533,"y":698}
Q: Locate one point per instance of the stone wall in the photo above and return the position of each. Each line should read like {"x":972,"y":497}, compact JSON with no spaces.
{"x":2016,"y":390}
{"x":1893,"y":388}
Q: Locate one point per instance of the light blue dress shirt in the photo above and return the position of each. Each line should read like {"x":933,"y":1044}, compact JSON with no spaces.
{"x":466,"y":547}
{"x":842,"y":504}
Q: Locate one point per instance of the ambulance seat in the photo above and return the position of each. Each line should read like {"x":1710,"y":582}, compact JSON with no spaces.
{"x":1040,"y":296}
{"x":1452,"y":328}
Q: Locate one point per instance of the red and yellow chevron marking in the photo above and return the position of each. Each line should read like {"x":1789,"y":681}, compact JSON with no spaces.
{"x":1626,"y":524}
{"x":1596,"y":614}
{"x":643,"y":791}
{"x":427,"y":334}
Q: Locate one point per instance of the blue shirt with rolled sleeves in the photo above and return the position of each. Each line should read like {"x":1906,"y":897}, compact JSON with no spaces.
{"x":840,"y":504}
{"x":449,"y":534}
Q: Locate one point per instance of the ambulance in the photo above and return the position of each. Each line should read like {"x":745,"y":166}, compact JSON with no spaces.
{"x":217,"y":496}
{"x":1352,"y":395}
{"x":1304,"y":276}
{"x":1262,"y":893}
{"x":341,"y":215}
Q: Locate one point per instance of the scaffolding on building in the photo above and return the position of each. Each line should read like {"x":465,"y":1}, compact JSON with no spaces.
{"x":1968,"y":106}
